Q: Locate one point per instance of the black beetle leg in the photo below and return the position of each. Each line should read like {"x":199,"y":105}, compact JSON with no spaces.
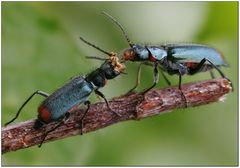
{"x":180,"y":81}
{"x":85,"y":113}
{"x":62,"y":121}
{"x":102,"y":95}
{"x":212,"y":74}
{"x":138,"y":78}
{"x":155,"y":78}
{"x":155,"y":72}
{"x":164,"y":76}
{"x":221,"y":73}
{"x":36,"y":92}
{"x":199,"y":66}
{"x":180,"y":88}
{"x":196,"y":69}
{"x":192,"y":71}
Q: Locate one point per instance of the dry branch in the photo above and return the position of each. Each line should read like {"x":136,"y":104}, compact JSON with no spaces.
{"x":131,"y":107}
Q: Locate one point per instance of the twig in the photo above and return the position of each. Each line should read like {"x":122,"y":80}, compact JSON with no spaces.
{"x":131,"y":107}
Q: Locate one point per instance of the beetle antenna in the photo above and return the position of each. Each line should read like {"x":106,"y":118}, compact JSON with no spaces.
{"x":96,"y":58}
{"x":96,"y":47}
{"x":120,"y":26}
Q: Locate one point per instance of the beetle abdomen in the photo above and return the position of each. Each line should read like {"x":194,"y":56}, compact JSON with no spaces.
{"x":193,"y":65}
{"x":63,"y":99}
{"x":44,"y":113}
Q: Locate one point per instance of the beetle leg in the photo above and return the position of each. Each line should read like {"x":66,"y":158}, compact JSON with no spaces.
{"x":155,"y":77}
{"x":192,"y":71}
{"x":199,"y":66}
{"x":138,"y":78}
{"x":180,"y":88}
{"x":150,"y":64}
{"x":165,"y":78}
{"x":180,"y":81}
{"x":212,"y":74}
{"x":85,"y":113}
{"x":221,"y":73}
{"x":155,"y":72}
{"x":217,"y":68}
{"x":102,"y":95}
{"x":62,"y":121}
{"x":18,"y":112}
{"x":201,"y":63}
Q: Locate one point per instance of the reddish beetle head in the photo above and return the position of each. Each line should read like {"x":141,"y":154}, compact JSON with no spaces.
{"x":129,"y":55}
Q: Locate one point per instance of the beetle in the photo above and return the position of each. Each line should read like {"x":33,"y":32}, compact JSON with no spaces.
{"x":56,"y":106}
{"x":177,"y":59}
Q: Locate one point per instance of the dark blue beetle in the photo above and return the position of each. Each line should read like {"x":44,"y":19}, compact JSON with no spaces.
{"x":177,"y":59}
{"x":56,"y":106}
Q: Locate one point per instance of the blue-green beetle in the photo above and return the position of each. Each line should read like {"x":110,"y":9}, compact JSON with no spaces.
{"x":177,"y":59}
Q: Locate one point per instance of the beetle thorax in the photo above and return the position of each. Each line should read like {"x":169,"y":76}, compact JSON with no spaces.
{"x":172,"y":67}
{"x":97,"y":78}
{"x":165,"y":64}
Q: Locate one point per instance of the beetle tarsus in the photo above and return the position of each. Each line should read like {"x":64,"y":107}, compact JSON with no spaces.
{"x":231,"y":84}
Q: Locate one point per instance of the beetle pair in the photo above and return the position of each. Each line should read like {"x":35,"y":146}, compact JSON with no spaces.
{"x":177,"y":59}
{"x":172,"y":58}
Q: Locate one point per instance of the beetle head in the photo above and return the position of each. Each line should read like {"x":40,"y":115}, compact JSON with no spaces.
{"x":112,"y":67}
{"x":135,"y":53}
{"x":129,"y":55}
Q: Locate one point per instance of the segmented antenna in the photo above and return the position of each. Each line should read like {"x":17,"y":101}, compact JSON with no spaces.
{"x":120,"y":26}
{"x":88,"y":43}
{"x":96,"y":58}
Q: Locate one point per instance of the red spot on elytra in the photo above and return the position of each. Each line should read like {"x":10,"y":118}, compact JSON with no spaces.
{"x":152,"y":58}
{"x":191,"y":64}
{"x":44,"y":113}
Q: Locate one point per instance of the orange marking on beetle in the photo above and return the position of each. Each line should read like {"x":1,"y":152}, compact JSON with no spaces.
{"x":44,"y":113}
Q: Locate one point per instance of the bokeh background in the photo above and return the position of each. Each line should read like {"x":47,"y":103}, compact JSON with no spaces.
{"x":41,"y":50}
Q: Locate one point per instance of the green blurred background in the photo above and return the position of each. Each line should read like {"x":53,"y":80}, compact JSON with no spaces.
{"x":41,"y":50}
